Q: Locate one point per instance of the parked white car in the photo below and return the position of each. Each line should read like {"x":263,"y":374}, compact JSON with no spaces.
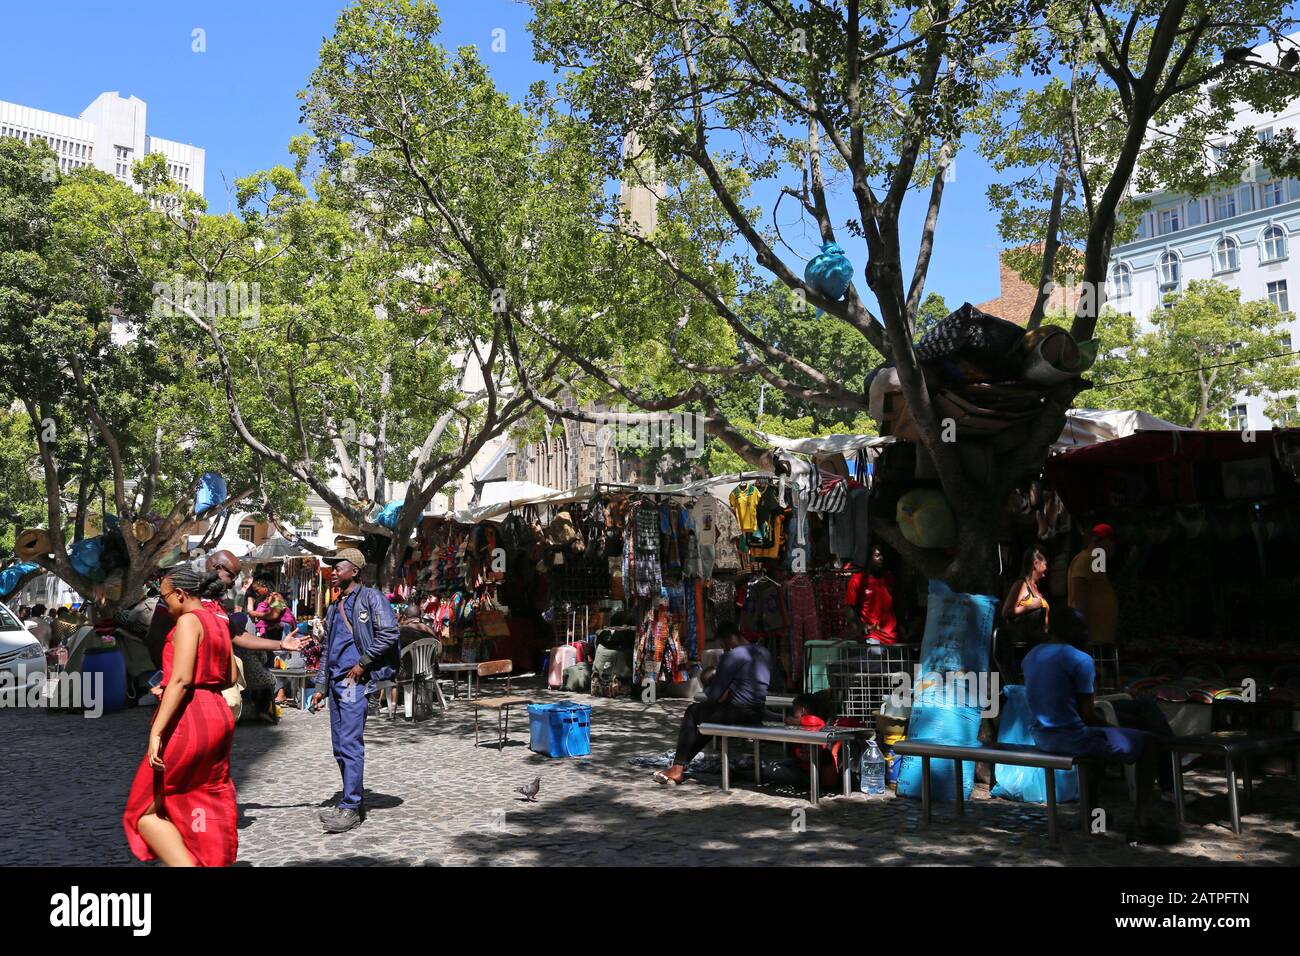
{"x":21,"y":654}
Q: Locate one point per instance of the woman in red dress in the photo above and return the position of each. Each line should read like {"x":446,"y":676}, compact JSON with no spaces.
{"x":181,"y":809}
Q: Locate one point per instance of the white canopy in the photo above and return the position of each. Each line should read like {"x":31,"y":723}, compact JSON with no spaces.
{"x":496,"y":492}
{"x":1088,"y":426}
{"x":1083,"y":426}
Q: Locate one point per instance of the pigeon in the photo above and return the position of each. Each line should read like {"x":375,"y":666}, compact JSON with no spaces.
{"x":1289,"y":59}
{"x":530,"y":791}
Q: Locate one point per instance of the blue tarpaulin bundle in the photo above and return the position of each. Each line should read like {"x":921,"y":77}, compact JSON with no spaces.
{"x":389,"y":515}
{"x":958,"y":631}
{"x":85,"y":555}
{"x":1028,"y":784}
{"x":829,"y":272}
{"x":212,"y":492}
{"x":12,"y":576}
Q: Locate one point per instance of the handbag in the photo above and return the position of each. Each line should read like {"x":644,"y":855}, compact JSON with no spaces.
{"x":234,"y":694}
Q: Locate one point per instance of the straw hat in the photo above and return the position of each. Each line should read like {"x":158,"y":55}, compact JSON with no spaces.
{"x":142,"y":530}
{"x":32,"y":543}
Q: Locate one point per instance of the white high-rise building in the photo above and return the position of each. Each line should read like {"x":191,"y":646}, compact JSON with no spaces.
{"x":1244,"y":236}
{"x":110,"y":134}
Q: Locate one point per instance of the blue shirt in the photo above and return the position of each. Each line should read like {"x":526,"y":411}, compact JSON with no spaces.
{"x":343,"y":649}
{"x":747,"y":671}
{"x":1054,"y":675}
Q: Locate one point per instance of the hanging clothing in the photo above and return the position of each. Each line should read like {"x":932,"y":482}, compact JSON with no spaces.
{"x":726,"y":537}
{"x":763,"y":613}
{"x":773,"y":549}
{"x":804,"y":623}
{"x":744,"y":499}
{"x":830,"y":592}
{"x":851,"y":529}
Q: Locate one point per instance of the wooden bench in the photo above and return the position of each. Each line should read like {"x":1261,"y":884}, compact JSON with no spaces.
{"x":790,"y":735}
{"x":1017,"y":756}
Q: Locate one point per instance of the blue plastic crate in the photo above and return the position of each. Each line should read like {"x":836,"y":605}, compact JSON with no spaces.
{"x":560,"y":730}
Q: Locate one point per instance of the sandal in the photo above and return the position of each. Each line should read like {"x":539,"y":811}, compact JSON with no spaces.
{"x":663,"y":779}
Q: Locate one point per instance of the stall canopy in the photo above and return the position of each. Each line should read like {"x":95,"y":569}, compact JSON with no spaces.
{"x":273,"y":550}
{"x":1178,"y":467}
{"x":496,"y":492}
{"x":1083,"y":427}
{"x":1089,"y":426}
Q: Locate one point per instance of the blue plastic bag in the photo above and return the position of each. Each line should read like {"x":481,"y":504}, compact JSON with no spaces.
{"x":958,"y":633}
{"x":1027,"y":784}
{"x":212,"y":492}
{"x":84,"y":555}
{"x":389,"y":515}
{"x":829,"y":272}
{"x":12,"y":576}
{"x":956,"y":726}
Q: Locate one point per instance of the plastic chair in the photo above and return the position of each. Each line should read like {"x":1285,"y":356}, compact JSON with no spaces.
{"x":1107,"y":710}
{"x":424,"y":655}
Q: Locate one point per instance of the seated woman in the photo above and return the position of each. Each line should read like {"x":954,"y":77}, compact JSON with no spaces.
{"x":1025,"y":611}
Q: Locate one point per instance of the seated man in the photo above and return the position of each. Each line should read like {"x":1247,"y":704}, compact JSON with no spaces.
{"x":1059,"y":680}
{"x":736,"y":695}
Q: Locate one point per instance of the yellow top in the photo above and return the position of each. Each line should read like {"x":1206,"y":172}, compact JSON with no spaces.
{"x":744,"y":502}
{"x":1102,"y":608}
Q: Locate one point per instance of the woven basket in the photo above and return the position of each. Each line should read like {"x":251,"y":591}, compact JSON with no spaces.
{"x":32,"y":543}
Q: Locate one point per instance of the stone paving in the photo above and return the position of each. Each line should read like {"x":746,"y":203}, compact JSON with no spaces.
{"x":435,"y":799}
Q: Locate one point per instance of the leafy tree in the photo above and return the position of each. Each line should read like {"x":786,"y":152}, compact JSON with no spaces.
{"x":729,"y":102}
{"x":1207,"y":348}
{"x":117,"y":414}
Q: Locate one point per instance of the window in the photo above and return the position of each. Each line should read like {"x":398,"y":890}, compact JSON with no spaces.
{"x":1170,"y":271}
{"x":1121,"y":281}
{"x":1265,"y":135}
{"x":1274,"y":243}
{"x":1225,"y":205}
{"x":1225,"y":255}
{"x":246,"y":531}
{"x":1271,"y":193}
{"x":1237,"y":417}
{"x":1277,"y":295}
{"x":1171,"y":220}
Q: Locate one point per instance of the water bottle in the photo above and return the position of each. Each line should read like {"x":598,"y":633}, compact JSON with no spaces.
{"x":871,"y":777}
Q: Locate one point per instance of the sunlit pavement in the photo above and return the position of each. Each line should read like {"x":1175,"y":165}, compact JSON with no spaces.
{"x":435,"y":799}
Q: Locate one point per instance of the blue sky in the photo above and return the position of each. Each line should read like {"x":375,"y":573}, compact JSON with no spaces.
{"x":238,"y":99}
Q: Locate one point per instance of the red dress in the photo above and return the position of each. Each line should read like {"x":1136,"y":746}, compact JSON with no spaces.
{"x":195,"y":791}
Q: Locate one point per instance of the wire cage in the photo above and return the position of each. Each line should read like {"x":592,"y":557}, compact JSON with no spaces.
{"x":1105,"y":659}
{"x":864,"y":677}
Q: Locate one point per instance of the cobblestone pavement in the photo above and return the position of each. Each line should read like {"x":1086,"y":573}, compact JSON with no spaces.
{"x":435,"y":799}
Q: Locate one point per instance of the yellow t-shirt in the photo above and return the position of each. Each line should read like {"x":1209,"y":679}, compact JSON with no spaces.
{"x":744,"y":502}
{"x":1102,"y":610}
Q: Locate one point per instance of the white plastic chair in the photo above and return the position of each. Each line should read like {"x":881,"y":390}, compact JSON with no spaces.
{"x":424,"y":655}
{"x":1107,"y":710}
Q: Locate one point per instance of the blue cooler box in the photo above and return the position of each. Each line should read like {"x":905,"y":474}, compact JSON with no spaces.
{"x":560,"y":730}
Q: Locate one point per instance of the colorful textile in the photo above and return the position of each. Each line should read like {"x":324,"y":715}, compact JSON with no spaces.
{"x":804,"y":625}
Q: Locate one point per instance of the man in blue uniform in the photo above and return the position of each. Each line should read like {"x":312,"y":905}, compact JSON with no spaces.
{"x":361,"y":646}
